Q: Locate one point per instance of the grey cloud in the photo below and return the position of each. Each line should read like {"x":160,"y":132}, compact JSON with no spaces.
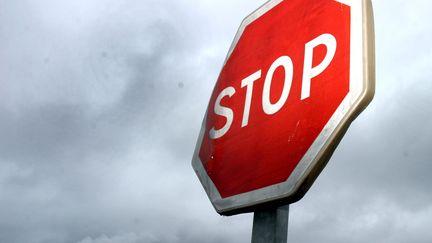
{"x":102,"y":104}
{"x":82,"y":145}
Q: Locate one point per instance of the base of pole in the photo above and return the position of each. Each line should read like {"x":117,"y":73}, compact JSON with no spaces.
{"x":271,"y":226}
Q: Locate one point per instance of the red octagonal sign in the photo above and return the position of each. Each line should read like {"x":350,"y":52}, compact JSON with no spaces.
{"x":297,"y":74}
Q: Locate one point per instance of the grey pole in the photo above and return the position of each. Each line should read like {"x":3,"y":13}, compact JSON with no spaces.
{"x":271,"y":226}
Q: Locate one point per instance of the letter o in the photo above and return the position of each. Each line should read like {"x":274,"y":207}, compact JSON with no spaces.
{"x":287,"y":64}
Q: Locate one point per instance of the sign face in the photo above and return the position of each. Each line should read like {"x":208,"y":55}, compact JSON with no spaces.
{"x":297,"y":74}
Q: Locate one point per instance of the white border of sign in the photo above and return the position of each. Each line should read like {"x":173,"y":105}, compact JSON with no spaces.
{"x":362,"y":88}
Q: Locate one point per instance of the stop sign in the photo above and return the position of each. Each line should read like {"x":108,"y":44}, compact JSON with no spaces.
{"x":297,"y":74}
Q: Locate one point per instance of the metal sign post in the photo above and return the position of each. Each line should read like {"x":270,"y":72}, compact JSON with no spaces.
{"x":271,"y":226}
{"x":297,"y":74}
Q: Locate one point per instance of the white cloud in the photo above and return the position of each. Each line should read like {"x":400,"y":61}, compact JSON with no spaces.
{"x":123,"y":238}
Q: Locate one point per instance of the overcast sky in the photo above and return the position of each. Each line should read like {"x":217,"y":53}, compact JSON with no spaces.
{"x":101,"y":103}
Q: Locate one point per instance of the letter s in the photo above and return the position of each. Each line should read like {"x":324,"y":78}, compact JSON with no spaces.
{"x":223,"y":111}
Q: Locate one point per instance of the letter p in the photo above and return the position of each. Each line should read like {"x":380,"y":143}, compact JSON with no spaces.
{"x":310,"y":72}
